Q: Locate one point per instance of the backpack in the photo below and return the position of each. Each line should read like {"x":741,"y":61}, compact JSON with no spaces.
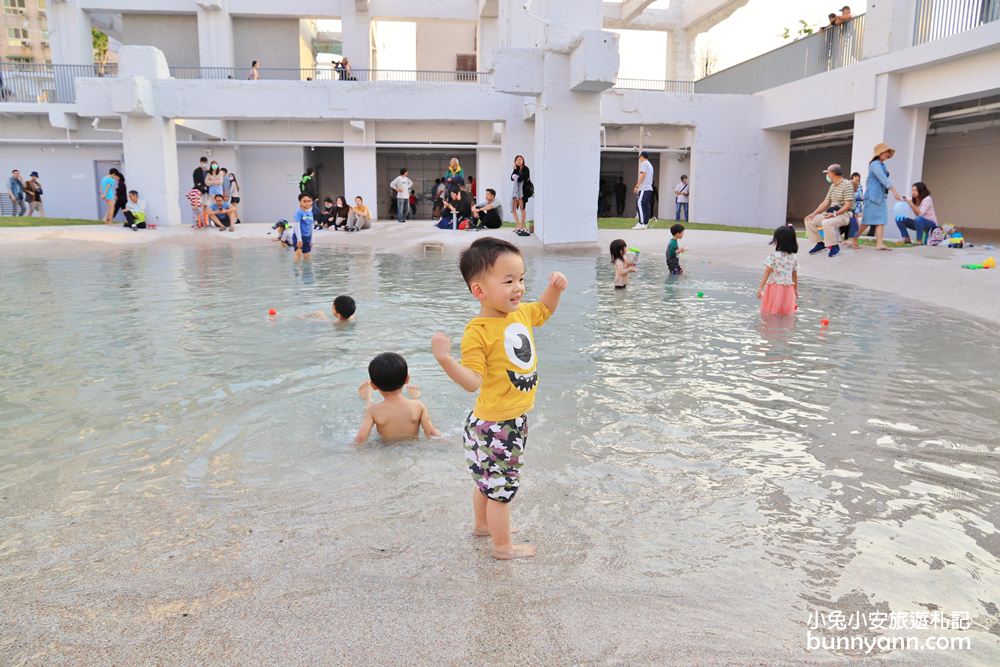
{"x":528,"y":190}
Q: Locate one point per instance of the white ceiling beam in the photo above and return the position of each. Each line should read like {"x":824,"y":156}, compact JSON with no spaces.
{"x":631,"y":9}
{"x":489,"y":9}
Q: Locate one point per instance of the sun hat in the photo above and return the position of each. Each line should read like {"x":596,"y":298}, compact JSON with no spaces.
{"x":883,"y":147}
{"x":835,"y":168}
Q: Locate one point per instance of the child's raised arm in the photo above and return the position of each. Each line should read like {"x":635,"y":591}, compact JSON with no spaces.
{"x":557,"y":285}
{"x":425,"y":422}
{"x":465,"y":378}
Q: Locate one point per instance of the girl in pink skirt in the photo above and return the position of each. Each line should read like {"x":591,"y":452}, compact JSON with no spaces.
{"x":779,"y":287}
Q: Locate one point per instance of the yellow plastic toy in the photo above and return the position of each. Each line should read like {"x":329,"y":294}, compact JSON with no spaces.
{"x":990,"y":263}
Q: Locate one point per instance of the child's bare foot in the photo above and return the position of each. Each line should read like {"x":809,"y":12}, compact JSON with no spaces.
{"x":514,"y":551}
{"x":485,"y":532}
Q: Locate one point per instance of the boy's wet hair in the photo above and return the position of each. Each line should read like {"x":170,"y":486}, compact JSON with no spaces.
{"x":388,"y":371}
{"x":304,"y":194}
{"x":344,"y":306}
{"x":676,"y":229}
{"x":480,"y":257}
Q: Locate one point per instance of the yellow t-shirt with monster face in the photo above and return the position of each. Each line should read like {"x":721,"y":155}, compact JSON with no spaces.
{"x":502,"y":351}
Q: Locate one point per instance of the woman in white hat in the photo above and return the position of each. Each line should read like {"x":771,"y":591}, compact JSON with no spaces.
{"x":877,"y":187}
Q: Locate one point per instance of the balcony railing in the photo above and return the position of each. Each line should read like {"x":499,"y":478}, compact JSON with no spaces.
{"x":942,"y":18}
{"x":34,"y":83}
{"x":655,"y":84}
{"x":332,"y":74}
{"x":829,"y":49}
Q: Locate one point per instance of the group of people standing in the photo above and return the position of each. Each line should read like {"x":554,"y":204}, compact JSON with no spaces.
{"x":853,"y":211}
{"x":214,"y":196}
{"x":25,"y":196}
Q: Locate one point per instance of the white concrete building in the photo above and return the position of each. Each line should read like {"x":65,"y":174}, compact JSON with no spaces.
{"x":498,"y":78}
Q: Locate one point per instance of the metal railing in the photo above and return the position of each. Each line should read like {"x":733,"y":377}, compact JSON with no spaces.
{"x":331,"y":74}
{"x":942,"y":18}
{"x":655,"y":84}
{"x":829,"y":49}
{"x":41,"y":83}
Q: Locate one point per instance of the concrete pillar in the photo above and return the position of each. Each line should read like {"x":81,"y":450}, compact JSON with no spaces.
{"x":905,"y":129}
{"x":518,"y":139}
{"x":680,"y":55}
{"x":360,"y":173}
{"x":490,"y":172}
{"x":888,"y":26}
{"x":667,"y":176}
{"x":487,"y":39}
{"x":356,"y":28}
{"x":215,"y":35}
{"x":72,"y":44}
{"x":149,"y":142}
{"x":774,"y":156}
{"x":567,"y":158}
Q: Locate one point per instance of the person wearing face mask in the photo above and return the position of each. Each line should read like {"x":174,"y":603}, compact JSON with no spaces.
{"x":213,"y":180}
{"x":832,"y":213}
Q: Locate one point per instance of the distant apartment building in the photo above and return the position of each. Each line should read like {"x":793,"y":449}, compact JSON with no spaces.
{"x":25,"y":32}
{"x":493,"y":79}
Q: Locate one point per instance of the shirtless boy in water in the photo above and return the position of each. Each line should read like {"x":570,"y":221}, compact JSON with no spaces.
{"x":396,"y":417}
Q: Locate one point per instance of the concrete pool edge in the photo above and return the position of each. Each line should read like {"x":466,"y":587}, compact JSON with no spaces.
{"x":930,"y":275}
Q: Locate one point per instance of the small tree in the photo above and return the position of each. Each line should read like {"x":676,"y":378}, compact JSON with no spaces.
{"x":708,"y":62}
{"x":100,"y":43}
{"x":804,"y":30}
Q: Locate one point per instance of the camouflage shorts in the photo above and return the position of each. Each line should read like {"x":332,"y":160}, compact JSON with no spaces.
{"x":495,"y":452}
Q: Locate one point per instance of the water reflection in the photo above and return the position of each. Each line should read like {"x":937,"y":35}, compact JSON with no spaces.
{"x":678,"y":442}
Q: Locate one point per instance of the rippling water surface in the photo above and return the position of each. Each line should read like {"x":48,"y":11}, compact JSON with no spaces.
{"x":160,"y":432}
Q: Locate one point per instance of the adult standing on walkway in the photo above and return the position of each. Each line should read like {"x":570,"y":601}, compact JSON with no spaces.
{"x":832,"y":213}
{"x":520,"y":176}
{"x":644,"y":191}
{"x":213,"y":181}
{"x":877,"y":187}
{"x":308,"y":184}
{"x":681,"y":192}
{"x":620,"y":191}
{"x":33,"y":195}
{"x":107,"y":193}
{"x":254,"y":71}
{"x":121,"y":194}
{"x":401,"y":188}
{"x":15,"y":190}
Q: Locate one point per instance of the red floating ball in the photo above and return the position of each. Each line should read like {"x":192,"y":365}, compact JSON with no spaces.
{"x":824,"y":322}
{"x":272,"y":312}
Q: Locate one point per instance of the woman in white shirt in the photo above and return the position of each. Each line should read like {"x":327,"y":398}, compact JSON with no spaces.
{"x":924,"y":218}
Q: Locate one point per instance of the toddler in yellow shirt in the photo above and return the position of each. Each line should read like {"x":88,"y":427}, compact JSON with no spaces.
{"x":500,"y":360}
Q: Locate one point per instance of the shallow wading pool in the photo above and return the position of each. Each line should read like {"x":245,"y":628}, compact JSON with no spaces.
{"x":177,"y":477}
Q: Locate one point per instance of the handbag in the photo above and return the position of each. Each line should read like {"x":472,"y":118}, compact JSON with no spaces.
{"x":528,"y":190}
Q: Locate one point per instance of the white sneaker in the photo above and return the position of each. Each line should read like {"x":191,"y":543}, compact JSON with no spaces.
{"x":639,"y":225}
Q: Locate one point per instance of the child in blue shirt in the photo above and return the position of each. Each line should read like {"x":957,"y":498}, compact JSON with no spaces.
{"x":303,"y":227}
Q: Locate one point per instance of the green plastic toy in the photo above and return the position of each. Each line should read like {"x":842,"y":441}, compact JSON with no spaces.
{"x":973,"y":266}
{"x":701,"y":294}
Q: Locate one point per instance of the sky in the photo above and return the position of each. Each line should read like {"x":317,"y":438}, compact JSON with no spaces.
{"x":752,"y":30}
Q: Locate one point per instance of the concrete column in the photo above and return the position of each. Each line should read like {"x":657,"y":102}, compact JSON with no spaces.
{"x":69,"y":35}
{"x":680,"y":55}
{"x":356,"y":28}
{"x":905,"y":129}
{"x":360,"y":173}
{"x":888,"y":26}
{"x":489,"y":164}
{"x":775,"y":153}
{"x":669,"y":174}
{"x":567,"y":158}
{"x":215,"y":35}
{"x":149,"y":142}
{"x":487,"y":39}
{"x":150,"y":151}
{"x":518,"y":139}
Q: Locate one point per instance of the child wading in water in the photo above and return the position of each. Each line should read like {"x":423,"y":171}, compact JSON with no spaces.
{"x":674,"y":250}
{"x":779,"y":287}
{"x":498,"y":359}
{"x":396,"y":417}
{"x":623,"y":268}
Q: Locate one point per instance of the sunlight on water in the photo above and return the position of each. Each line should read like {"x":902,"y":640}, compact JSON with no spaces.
{"x":149,"y":405}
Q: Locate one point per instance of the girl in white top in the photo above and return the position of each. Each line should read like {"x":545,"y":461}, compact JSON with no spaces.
{"x":623,"y":268}
{"x":779,"y":286}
